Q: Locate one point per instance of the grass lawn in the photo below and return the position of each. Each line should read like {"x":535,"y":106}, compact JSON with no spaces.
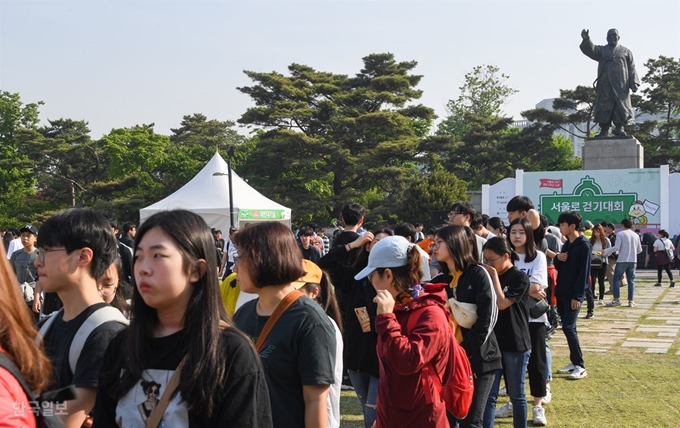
{"x":625,"y":387}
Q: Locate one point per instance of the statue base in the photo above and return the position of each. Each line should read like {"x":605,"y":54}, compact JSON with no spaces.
{"x":613,"y":153}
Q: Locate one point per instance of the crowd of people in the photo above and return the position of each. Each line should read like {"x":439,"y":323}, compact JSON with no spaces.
{"x":170,"y":324}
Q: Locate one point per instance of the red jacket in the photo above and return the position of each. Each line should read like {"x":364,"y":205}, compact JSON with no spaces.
{"x":402,"y":355}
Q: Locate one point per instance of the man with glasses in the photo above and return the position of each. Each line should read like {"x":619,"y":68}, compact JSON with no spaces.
{"x":462,"y":214}
{"x":75,"y":248}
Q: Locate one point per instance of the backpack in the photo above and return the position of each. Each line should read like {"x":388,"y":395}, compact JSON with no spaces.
{"x":94,"y":320}
{"x":44,"y":416}
{"x":458,"y":385}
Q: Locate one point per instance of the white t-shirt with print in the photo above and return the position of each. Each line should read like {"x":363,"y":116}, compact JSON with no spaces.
{"x":537,"y":269}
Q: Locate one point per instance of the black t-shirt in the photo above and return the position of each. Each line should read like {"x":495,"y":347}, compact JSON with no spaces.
{"x":58,"y":341}
{"x":300,"y":350}
{"x":345,"y":237}
{"x":244,"y":401}
{"x":310,"y":253}
{"x":512,"y":328}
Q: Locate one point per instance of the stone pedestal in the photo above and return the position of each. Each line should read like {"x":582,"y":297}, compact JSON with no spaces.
{"x":612,"y":153}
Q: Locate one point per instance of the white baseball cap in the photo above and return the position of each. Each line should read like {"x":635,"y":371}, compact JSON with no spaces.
{"x":389,"y":252}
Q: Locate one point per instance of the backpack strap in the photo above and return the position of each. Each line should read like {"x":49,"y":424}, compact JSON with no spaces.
{"x":7,"y":363}
{"x":42,"y":420}
{"x":96,"y":318}
{"x":47,"y":324}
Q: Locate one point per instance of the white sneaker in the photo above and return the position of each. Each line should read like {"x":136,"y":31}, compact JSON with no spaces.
{"x":601,"y":302}
{"x":631,"y":304}
{"x":505,"y":411}
{"x":503,"y":391}
{"x":539,"y":416}
{"x":548,"y":396}
{"x":578,"y":373}
{"x":567,"y":369}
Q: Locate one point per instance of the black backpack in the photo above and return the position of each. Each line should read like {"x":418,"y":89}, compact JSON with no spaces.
{"x":42,"y":420}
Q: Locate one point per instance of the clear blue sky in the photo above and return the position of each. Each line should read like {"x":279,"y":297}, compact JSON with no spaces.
{"x":120,"y":63}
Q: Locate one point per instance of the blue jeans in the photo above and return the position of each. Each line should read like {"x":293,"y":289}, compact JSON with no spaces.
{"x":366,"y":387}
{"x":515,"y":369}
{"x":629,"y":269}
{"x":475,"y":417}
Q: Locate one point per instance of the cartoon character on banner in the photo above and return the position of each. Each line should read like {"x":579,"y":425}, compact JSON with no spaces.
{"x":637,"y":214}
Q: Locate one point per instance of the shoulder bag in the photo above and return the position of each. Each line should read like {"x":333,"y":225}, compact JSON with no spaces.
{"x":537,"y":307}
{"x":282,"y":307}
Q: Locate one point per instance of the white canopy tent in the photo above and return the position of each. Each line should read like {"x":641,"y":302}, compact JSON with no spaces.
{"x":207,"y":194}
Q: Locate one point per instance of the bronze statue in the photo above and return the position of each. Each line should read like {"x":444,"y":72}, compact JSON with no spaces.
{"x":615,"y":76}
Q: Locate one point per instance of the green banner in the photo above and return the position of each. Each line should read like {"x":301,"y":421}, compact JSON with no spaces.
{"x":245,"y":214}
{"x":602,"y":195}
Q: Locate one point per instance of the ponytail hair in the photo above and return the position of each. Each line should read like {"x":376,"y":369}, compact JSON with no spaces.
{"x":501,"y":246}
{"x":326,"y":298}
{"x":408,"y":275}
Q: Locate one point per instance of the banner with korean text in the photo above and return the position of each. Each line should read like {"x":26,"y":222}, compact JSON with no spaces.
{"x":598,"y":195}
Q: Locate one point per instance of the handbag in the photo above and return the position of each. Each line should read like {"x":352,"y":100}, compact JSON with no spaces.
{"x":669,"y":253}
{"x":666,"y":256}
{"x":537,"y":307}
{"x":596,"y":263}
{"x":464,"y":313}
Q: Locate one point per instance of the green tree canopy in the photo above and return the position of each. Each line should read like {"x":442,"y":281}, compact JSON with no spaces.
{"x":16,"y":179}
{"x":65,"y":162}
{"x":572,"y":112}
{"x":661,"y":98}
{"x":431,"y":191}
{"x":483,"y":94}
{"x":328,"y":138}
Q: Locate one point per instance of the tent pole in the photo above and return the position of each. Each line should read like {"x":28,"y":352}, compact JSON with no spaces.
{"x":230,"y":154}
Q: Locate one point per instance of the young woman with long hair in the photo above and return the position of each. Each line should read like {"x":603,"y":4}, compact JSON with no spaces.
{"x":360,"y":358}
{"x":17,"y":342}
{"x":598,"y":267}
{"x":414,"y":337}
{"x":179,"y":323}
{"x":512,"y":329}
{"x":299,"y":352}
{"x":454,"y":248}
{"x":533,"y":262}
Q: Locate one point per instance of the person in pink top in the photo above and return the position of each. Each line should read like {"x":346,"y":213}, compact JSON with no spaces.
{"x":17,"y":343}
